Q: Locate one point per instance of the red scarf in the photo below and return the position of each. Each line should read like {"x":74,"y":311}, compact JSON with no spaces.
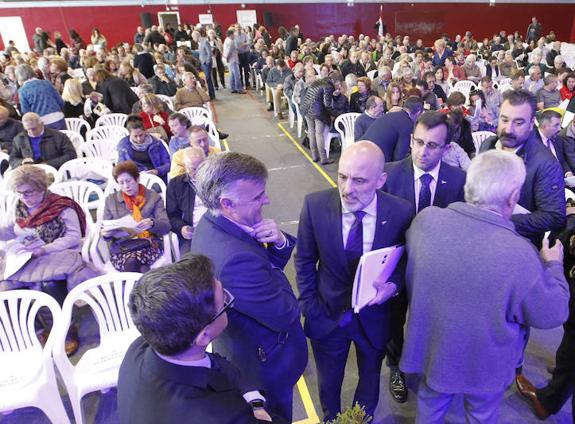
{"x":50,"y":208}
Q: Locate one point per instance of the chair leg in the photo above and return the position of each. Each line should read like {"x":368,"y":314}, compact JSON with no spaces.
{"x":76,"y":401}
{"x":50,"y":402}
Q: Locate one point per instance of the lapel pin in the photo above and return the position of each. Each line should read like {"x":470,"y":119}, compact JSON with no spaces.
{"x":383,"y":222}
{"x":443,"y":181}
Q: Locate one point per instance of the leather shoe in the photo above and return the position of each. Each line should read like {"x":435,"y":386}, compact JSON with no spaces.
{"x":397,"y":385}
{"x":270,"y":108}
{"x":326,"y":161}
{"x":528,"y":391}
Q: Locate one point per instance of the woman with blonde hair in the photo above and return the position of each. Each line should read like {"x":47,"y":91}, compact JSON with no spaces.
{"x":441,"y":52}
{"x":393,"y":97}
{"x":73,"y":99}
{"x":154,"y":117}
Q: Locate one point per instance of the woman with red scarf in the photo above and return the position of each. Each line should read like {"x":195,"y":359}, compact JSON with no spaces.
{"x":48,"y":229}
{"x":135,"y":250}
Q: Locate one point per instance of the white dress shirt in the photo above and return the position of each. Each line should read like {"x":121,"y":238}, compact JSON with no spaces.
{"x":369,"y":221}
{"x":417,"y":173}
{"x":548,"y":143}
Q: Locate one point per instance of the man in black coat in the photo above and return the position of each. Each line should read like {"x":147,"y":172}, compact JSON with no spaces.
{"x":542,"y":198}
{"x":392,"y":131}
{"x":291,"y":41}
{"x":8,"y":129}
{"x":353,"y":66}
{"x":166,"y":375}
{"x":548,"y":135}
{"x":144,"y":61}
{"x":117,"y":94}
{"x":249,"y":252}
{"x":161,"y":83}
{"x":336,"y":227}
{"x":183,"y":207}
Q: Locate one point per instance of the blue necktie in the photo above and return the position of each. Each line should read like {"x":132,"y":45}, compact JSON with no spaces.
{"x":424,"y":192}
{"x":354,"y":245}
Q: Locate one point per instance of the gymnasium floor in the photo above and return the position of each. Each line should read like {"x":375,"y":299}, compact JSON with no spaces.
{"x":253,"y":130}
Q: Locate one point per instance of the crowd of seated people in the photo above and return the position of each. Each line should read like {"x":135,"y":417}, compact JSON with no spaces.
{"x":410,"y":108}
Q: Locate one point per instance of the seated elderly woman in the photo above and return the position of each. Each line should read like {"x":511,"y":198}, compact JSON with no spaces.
{"x":358,"y":99}
{"x":48,"y":229}
{"x":135,"y":249}
{"x":148,"y":152}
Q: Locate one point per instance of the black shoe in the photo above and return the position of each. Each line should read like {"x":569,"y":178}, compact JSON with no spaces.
{"x":271,"y":108}
{"x":223,"y":135}
{"x":326,"y":161}
{"x":233,"y":91}
{"x":397,"y":385}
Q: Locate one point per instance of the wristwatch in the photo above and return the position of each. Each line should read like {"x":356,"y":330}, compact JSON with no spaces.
{"x":257,"y":404}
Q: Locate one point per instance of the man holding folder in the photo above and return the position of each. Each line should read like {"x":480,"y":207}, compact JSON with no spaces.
{"x":336,"y":228}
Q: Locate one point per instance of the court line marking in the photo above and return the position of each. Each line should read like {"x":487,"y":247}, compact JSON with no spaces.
{"x":309,"y":407}
{"x":308,"y":157}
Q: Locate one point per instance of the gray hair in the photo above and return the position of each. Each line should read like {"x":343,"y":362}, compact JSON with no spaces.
{"x":492,"y":177}
{"x":216,"y":175}
{"x":24,"y":73}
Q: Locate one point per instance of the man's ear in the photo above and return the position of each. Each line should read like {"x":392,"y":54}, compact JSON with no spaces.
{"x":226,"y":203}
{"x":203,"y":339}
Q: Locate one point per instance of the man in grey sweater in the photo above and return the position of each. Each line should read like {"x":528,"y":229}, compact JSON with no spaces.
{"x":474,"y":286}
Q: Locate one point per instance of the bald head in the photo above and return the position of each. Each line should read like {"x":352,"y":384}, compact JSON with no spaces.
{"x":360,"y":175}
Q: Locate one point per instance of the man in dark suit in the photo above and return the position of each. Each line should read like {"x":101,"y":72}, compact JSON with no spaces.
{"x":542,"y":198}
{"x":423,"y":180}
{"x":547,"y":134}
{"x":335,"y":229}
{"x":166,"y":375}
{"x":249,"y":252}
{"x":392,"y":131}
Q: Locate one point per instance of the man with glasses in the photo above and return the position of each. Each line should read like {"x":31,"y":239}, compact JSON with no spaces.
{"x":423,"y":180}
{"x":166,"y":374}
{"x":249,"y":252}
{"x":40,"y":144}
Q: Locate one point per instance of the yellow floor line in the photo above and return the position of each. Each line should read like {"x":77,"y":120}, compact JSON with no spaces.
{"x":308,"y":405}
{"x":307,"y":156}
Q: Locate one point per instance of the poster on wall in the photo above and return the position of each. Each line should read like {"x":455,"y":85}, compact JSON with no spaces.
{"x":246,"y":17}
{"x":206,"y":18}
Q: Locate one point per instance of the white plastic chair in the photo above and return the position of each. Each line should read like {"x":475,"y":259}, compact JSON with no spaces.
{"x":98,"y":368}
{"x":27,"y":376}
{"x":167,"y":99}
{"x":111,"y":119}
{"x":50,"y":170}
{"x":80,"y":192}
{"x":78,"y":169}
{"x":299,"y":117}
{"x":109,"y":132}
{"x":569,"y":195}
{"x":291,"y":113}
{"x":150,"y":181}
{"x":103,"y":149}
{"x":344,"y":124}
{"x":567,"y":118}
{"x":76,"y":125}
{"x":193,"y":112}
{"x":464,"y":87}
{"x":76,"y":139}
{"x":8,"y":200}
{"x":328,"y":136}
{"x":208,"y":124}
{"x":259,"y":83}
{"x":479,"y":137}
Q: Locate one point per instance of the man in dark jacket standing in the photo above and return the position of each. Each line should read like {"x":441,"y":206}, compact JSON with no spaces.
{"x":541,"y":206}
{"x":118,"y":96}
{"x":291,"y":42}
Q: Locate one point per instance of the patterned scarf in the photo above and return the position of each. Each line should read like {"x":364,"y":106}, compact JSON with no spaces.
{"x":46,"y":218}
{"x":135,"y":204}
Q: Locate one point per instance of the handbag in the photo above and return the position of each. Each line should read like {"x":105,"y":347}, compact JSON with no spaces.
{"x":129,"y":245}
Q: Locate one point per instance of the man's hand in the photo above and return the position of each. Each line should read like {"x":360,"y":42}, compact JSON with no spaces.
{"x":267,"y":231}
{"x":261,"y":414}
{"x":187,"y":232}
{"x":384,"y":291}
{"x":554,"y":253}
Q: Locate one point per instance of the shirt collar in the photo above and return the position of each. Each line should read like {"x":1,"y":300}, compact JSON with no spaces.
{"x":370,"y":209}
{"x":245,"y":228}
{"x":543,"y":138}
{"x":417,"y":173}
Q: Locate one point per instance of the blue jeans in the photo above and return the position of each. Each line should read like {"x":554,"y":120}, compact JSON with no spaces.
{"x":207,"y":68}
{"x":235,"y":77}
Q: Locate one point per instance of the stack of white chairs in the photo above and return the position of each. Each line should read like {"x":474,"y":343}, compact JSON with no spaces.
{"x":98,"y":368}
{"x":111,"y":119}
{"x":27,"y":377}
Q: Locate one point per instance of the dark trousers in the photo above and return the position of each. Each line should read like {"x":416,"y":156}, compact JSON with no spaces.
{"x":330,"y":353}
{"x":398,"y":314}
{"x":555,"y":394}
{"x":219,"y":70}
{"x":245,"y":68}
{"x":207,"y":68}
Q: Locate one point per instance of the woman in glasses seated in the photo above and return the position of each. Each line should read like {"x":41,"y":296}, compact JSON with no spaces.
{"x":44,"y":237}
{"x":135,"y":249}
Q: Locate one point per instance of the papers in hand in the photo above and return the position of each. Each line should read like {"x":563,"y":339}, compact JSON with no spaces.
{"x":17,"y":254}
{"x":375,"y":265}
{"x":126,"y":222}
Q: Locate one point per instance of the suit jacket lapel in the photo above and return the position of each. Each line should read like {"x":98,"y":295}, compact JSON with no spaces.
{"x":407,"y":169}
{"x":333,"y":218}
{"x":383,"y":216}
{"x":230,"y":228}
{"x":441,"y":188}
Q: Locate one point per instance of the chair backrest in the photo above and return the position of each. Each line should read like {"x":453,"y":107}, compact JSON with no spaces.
{"x":479,"y":137}
{"x":167,"y":99}
{"x":109,"y":132}
{"x":371,"y":74}
{"x":108,"y":297}
{"x":344,"y":125}
{"x":104,"y":149}
{"x":569,"y":195}
{"x":85,"y":168}
{"x":76,"y":139}
{"x":50,"y":170}
{"x":464,"y":87}
{"x":567,"y":118}
{"x":192,"y":112}
{"x":79,"y":191}
{"x":210,"y":127}
{"x":18,"y":309}
{"x":109,"y":119}
{"x":8,"y":200}
{"x":77,"y":124}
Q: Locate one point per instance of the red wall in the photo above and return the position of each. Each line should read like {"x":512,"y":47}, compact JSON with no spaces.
{"x":427,"y":21}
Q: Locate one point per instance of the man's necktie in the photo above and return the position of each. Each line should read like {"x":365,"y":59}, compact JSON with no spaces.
{"x":354,"y":245}
{"x":424,"y":192}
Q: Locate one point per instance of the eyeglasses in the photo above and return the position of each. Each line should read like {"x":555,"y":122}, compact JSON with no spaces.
{"x":27,"y":193}
{"x":431,"y":145}
{"x":229,"y":300}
